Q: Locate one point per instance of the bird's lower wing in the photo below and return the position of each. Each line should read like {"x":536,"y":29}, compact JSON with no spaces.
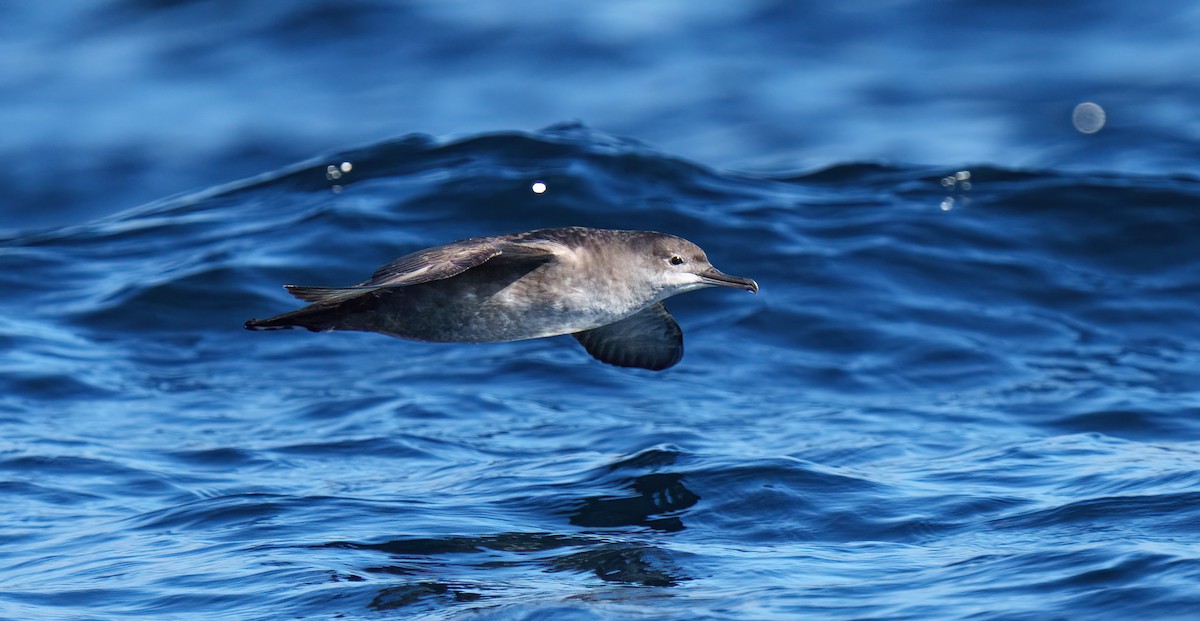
{"x":650,"y":339}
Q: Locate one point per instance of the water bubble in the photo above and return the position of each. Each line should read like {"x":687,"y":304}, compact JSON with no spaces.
{"x":1088,"y":117}
{"x":960,"y":180}
{"x":332,"y":172}
{"x":947,"y":204}
{"x":347,"y":167}
{"x":538,"y":187}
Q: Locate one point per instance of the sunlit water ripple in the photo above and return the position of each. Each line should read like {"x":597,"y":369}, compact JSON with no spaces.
{"x":983,"y":406}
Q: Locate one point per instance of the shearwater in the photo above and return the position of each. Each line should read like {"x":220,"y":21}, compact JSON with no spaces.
{"x":604,"y":287}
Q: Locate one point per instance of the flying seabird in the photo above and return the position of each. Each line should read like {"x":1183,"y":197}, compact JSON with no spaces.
{"x":604,"y":287}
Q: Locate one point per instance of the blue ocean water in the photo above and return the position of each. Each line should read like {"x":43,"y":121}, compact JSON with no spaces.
{"x":934,"y":409}
{"x":965,"y":390}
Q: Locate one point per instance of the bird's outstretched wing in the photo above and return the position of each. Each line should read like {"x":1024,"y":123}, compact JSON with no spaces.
{"x":441,"y":262}
{"x":650,"y":339}
{"x":437,"y":263}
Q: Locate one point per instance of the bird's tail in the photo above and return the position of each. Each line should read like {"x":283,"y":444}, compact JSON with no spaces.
{"x":315,"y":317}
{"x":331,"y":309}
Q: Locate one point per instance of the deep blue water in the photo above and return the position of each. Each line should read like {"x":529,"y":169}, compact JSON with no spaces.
{"x":955,"y":397}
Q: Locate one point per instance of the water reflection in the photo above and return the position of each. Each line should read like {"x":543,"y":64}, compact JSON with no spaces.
{"x":421,"y":562}
{"x":656,"y":494}
{"x":653,"y":501}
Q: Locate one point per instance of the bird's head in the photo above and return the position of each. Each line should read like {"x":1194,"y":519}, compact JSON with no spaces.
{"x":682,"y":266}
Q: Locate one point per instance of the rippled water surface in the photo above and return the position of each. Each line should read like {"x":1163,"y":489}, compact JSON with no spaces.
{"x":945,"y":402}
{"x":965,"y":390}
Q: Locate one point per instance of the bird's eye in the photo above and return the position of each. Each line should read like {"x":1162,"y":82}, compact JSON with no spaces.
{"x":676,"y":260}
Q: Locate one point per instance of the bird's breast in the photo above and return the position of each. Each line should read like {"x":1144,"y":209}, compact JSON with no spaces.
{"x":555,"y":302}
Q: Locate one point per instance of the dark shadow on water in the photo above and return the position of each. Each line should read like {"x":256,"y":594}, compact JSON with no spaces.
{"x":417,"y":560}
{"x":625,"y":563}
{"x":409,"y":594}
{"x":656,"y":494}
{"x":652,"y":500}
